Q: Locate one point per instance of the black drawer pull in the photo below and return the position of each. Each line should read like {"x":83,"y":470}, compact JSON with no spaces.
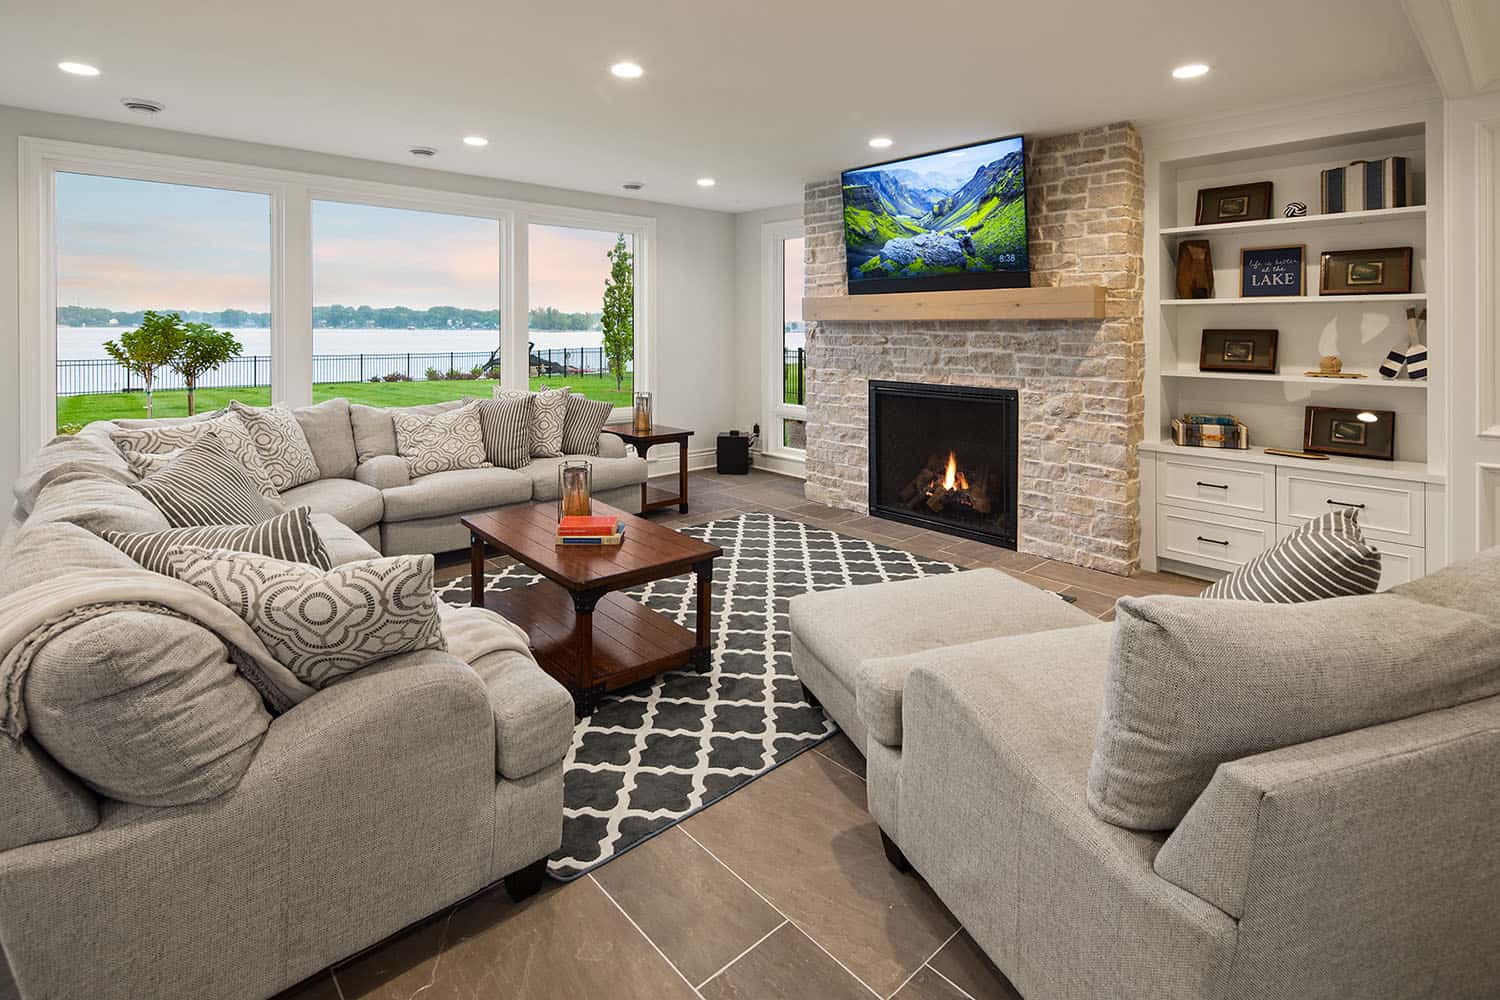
{"x":1214,"y":541}
{"x":1345,"y":503}
{"x":1213,"y":486}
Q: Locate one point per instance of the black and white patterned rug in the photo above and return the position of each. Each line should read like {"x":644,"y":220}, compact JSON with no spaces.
{"x":652,"y":755}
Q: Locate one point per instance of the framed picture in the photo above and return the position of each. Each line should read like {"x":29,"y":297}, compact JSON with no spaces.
{"x":1236,"y":203}
{"x":1273,"y":272}
{"x":1385,"y":271}
{"x":1330,"y":430}
{"x":1238,"y":351}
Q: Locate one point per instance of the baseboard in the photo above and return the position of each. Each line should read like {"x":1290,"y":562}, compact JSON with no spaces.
{"x":664,"y":460}
{"x":785,"y":465}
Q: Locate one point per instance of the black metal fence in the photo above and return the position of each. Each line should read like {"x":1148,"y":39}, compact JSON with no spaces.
{"x":97,"y":376}
{"x":794,"y":366}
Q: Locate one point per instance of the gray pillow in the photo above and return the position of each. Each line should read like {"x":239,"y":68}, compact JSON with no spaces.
{"x":330,"y":436}
{"x":548,"y":410}
{"x":322,"y":626}
{"x":206,"y":484}
{"x":506,"y":425}
{"x":1195,"y":683}
{"x":289,"y":537}
{"x":440,"y":442}
{"x":144,"y":708}
{"x":1326,"y":557}
{"x":375,"y":434}
{"x":97,"y":503}
{"x":582,"y":424}
{"x":150,"y":449}
{"x":278,"y":440}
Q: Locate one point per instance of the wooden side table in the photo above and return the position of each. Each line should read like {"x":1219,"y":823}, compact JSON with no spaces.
{"x":655,"y":499}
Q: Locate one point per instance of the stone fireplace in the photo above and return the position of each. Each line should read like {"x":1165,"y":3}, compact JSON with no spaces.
{"x":1078,"y":382}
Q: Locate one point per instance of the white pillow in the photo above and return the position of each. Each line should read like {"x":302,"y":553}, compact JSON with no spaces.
{"x":549,"y":409}
{"x":278,"y":439}
{"x":440,"y":442}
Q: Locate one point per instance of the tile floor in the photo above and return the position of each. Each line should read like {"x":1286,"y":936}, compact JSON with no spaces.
{"x":780,"y":890}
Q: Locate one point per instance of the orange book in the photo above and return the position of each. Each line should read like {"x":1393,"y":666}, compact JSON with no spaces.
{"x":594,"y":525}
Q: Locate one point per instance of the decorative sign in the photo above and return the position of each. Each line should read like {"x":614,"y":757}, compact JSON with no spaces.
{"x":1272,"y":272}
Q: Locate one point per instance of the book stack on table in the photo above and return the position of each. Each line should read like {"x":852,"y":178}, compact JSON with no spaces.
{"x":577,"y":530}
{"x":1210,"y":430}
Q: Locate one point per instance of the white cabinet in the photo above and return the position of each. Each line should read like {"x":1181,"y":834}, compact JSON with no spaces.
{"x":1389,"y":509}
{"x":1210,"y":539}
{"x":1244,"y":491}
{"x":1398,"y":563}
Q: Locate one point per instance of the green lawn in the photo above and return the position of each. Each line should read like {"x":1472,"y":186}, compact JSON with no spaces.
{"x":790,"y":384}
{"x":73,"y":412}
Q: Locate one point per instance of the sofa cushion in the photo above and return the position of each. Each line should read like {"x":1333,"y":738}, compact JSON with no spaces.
{"x":289,"y":537}
{"x":90,"y":454}
{"x":375,"y":434}
{"x":457,"y":492}
{"x":144,"y":708}
{"x":354,"y":503}
{"x":1326,"y":557}
{"x":206,"y":484}
{"x":1195,"y":683}
{"x":506,"y":424}
{"x":582,"y":423}
{"x":342,"y":543}
{"x":1471,"y":585}
{"x":278,"y":439}
{"x":608,"y":474}
{"x":848,"y":627}
{"x":96,"y":503}
{"x":322,"y":625}
{"x":440,"y":442}
{"x":549,"y":408}
{"x":44,"y":550}
{"x":330,"y":436}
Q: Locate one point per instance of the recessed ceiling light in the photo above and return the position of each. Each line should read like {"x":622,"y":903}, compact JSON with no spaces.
{"x":475,"y":140}
{"x":78,"y":69}
{"x":626,"y":70}
{"x":880,"y":142}
{"x":706,"y":182}
{"x":1190,"y":71}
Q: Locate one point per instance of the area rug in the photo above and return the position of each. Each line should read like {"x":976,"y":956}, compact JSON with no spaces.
{"x":653,"y":755}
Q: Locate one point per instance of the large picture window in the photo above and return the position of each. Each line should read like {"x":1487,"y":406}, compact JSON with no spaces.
{"x":581,"y":311}
{"x":163,"y":298}
{"x":785,"y":341}
{"x":406,"y":304}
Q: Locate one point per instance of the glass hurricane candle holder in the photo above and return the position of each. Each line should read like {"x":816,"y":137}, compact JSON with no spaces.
{"x":641,"y":423}
{"x":575,"y":489}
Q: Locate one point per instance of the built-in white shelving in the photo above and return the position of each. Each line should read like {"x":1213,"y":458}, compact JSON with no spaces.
{"x":1291,"y":225}
{"x":1299,"y":300}
{"x":1371,"y":380}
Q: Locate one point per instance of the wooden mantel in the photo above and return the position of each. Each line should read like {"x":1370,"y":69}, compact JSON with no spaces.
{"x":1056,"y":302}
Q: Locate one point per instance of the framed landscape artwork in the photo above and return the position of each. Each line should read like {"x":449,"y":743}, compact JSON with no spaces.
{"x":1330,"y":430}
{"x":1235,"y":203}
{"x":1238,"y":351}
{"x":1383,"y":271}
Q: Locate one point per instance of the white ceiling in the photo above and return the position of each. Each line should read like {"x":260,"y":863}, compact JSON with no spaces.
{"x":763,"y":95}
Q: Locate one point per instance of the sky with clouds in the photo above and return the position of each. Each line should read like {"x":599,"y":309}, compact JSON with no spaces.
{"x":127,"y":244}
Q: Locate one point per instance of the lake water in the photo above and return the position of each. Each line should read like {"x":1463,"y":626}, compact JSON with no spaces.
{"x":87,"y":341}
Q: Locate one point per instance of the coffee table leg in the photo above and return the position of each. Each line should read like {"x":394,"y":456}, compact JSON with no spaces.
{"x":682,"y":506}
{"x":586,"y":693}
{"x":702,"y":650}
{"x":476,"y":571}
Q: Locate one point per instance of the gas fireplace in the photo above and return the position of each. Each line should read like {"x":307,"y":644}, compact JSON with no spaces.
{"x":945,"y":457}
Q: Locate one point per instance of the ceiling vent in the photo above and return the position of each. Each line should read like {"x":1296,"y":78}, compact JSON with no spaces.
{"x":142,"y":106}
{"x":632,"y":185}
{"x":425,"y":152}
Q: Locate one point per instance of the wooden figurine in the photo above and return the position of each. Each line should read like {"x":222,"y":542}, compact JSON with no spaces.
{"x":1195,"y":270}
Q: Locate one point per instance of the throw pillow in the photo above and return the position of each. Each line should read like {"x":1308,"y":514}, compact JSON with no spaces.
{"x":548,"y":410}
{"x":440,"y":442}
{"x":506,"y":426}
{"x":582,"y":424}
{"x":1193,"y":684}
{"x":278,"y":439}
{"x":289,"y":537}
{"x":321,"y":625}
{"x":149,"y":449}
{"x":205,"y":484}
{"x":1326,"y":557}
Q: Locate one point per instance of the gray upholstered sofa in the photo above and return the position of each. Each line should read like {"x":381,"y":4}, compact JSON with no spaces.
{"x":1360,"y":864}
{"x":367,"y":486}
{"x":375,"y":802}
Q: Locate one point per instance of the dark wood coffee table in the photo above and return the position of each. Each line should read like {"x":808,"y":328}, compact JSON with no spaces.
{"x":583,"y":633}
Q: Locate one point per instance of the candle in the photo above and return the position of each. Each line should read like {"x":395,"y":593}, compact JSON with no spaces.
{"x":642,"y":422}
{"x":574,"y":489}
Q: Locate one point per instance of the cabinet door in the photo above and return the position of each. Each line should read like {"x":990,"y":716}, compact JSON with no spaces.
{"x":1241,"y":490}
{"x":1391,"y":510}
{"x":1208,"y":539}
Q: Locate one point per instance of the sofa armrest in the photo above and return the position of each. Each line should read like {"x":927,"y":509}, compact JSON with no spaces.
{"x":41,"y":800}
{"x":611,"y":446}
{"x":384,"y":472}
{"x":533,"y":713}
{"x":878,"y":694}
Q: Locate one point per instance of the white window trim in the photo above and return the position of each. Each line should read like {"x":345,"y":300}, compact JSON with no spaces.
{"x":292,"y":194}
{"x":775,"y":410}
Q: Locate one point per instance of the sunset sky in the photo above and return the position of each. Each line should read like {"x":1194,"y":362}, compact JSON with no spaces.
{"x":125,"y":245}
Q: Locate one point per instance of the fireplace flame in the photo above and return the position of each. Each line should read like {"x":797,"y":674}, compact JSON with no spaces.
{"x":952,"y":478}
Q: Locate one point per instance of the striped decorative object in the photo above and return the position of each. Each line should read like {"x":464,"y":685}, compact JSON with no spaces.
{"x":289,"y":537}
{"x":205,"y":484}
{"x":1365,"y":185}
{"x":582,"y":424}
{"x":1326,"y":557}
{"x":1295,"y":209}
{"x":505,"y":425}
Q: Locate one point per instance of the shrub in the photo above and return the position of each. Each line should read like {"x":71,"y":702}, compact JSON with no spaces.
{"x":493,"y":373}
{"x":477,"y":371}
{"x":397,"y":377}
{"x":457,"y":376}
{"x":376,"y":378}
{"x":433,"y":375}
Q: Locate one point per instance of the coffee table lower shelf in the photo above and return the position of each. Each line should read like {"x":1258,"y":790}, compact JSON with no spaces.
{"x":629,"y":641}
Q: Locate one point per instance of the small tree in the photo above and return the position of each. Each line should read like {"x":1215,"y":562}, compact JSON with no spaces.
{"x":201,"y":350}
{"x":618,"y":320}
{"x":149,"y":348}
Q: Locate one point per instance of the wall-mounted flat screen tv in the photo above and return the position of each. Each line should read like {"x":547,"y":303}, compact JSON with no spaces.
{"x":946,"y":220}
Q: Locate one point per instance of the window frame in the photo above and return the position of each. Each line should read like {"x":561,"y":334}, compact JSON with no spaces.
{"x":292,"y":194}
{"x":775,"y":409}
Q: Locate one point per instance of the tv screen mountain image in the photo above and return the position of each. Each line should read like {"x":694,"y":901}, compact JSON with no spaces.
{"x":951,"y":213}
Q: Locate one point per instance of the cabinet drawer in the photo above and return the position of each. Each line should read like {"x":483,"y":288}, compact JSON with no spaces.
{"x":1391,"y":510}
{"x":1208,"y":539}
{"x":1398,"y":563}
{"x":1243,"y":490}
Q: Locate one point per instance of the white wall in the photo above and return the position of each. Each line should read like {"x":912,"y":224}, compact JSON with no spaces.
{"x":750,"y":356}
{"x":696,"y":267}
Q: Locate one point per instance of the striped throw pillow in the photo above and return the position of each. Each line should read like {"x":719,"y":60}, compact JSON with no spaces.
{"x":506,"y":427}
{"x":1326,"y":557}
{"x":205,"y":484}
{"x":582,"y":423}
{"x":289,"y":537}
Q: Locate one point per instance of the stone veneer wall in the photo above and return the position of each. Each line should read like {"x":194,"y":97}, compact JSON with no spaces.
{"x":1080,"y":382}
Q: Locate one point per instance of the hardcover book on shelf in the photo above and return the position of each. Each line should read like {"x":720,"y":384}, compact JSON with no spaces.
{"x":1223,"y":419}
{"x":1191,"y":435}
{"x":1366,"y":185}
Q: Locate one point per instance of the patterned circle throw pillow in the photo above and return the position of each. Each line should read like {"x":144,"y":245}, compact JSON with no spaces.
{"x":149,"y":449}
{"x":440,"y":442}
{"x":279,"y":441}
